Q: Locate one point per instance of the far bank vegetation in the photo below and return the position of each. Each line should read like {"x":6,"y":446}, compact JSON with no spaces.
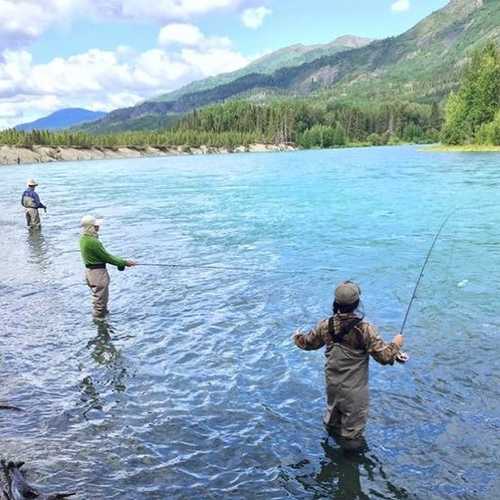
{"x":473,"y":112}
{"x":307,"y":123}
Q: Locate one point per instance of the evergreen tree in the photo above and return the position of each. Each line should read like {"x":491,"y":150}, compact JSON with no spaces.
{"x":477,"y":100}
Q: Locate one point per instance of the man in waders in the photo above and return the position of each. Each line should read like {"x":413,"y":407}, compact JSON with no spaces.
{"x":349,"y":341}
{"x":31,"y":203}
{"x":95,"y":258}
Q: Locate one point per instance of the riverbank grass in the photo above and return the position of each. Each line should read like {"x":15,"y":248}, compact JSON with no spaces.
{"x":469,"y":148}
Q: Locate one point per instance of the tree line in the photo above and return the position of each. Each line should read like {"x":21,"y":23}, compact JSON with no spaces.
{"x":159,"y":139}
{"x":320,"y":123}
{"x":305,"y":122}
{"x":472,"y":113}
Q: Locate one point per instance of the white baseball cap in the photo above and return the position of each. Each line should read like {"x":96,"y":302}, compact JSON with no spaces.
{"x":90,"y":220}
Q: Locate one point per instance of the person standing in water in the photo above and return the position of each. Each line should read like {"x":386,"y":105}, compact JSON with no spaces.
{"x":95,"y":258}
{"x":31,"y":203}
{"x":349,"y":342}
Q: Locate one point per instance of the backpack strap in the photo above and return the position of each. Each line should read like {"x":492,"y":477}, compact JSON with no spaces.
{"x":338,"y":337}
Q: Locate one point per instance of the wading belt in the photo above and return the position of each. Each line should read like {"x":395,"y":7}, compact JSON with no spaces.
{"x":96,"y":266}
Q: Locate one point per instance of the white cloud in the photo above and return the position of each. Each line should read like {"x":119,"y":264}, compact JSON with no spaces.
{"x":184,"y":34}
{"x":214,"y":60}
{"x":13,"y":112}
{"x":163,"y":9}
{"x":190,"y":35}
{"x":106,"y":80}
{"x":401,"y":5}
{"x":22,"y":21}
{"x":254,"y":18}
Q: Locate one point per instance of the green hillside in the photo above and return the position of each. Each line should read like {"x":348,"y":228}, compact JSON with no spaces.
{"x":425,"y":63}
{"x":294,"y":55}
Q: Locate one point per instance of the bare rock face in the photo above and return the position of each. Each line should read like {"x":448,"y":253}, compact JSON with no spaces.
{"x":352,"y":41}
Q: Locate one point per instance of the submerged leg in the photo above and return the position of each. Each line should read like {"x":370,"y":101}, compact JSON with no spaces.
{"x":346,"y":423}
{"x":33,"y":218}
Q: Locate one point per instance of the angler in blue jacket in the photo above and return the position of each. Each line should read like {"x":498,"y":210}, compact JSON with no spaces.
{"x":31,"y":203}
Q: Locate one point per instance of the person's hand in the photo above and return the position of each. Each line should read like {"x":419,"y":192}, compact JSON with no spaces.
{"x":45,"y":209}
{"x":399,"y":340}
{"x":402,"y":357}
{"x":130,"y":263}
{"x":298,"y":338}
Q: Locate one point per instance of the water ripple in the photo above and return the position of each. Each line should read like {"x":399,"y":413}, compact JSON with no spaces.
{"x":194,"y":389}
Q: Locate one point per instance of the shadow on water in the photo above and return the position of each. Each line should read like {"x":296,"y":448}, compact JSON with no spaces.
{"x":344,"y":475}
{"x":108,"y":356}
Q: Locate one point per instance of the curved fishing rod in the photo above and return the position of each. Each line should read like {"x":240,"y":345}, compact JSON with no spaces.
{"x":423,"y":269}
{"x":243,"y":269}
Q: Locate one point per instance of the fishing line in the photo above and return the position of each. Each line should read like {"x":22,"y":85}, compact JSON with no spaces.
{"x":241,"y":269}
{"x":423,"y":269}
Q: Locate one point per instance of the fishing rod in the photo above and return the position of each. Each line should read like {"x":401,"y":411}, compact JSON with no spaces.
{"x":423,"y":269}
{"x":241,"y":269}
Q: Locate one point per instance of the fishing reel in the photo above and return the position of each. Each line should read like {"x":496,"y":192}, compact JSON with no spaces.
{"x":402,"y":357}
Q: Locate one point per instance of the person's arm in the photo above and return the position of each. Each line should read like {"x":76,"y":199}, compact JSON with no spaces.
{"x":38,"y":203}
{"x":382,"y":352}
{"x":312,"y":340}
{"x":101,"y":254}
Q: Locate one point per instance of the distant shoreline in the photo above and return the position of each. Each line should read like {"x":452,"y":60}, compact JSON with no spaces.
{"x":9,"y":155}
{"x":470,"y":148}
{"x":13,"y":155}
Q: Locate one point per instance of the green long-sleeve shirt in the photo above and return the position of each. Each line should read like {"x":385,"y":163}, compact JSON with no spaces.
{"x":93,"y":252}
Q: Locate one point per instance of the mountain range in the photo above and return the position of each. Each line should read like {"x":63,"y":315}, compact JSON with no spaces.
{"x":151,"y":114}
{"x":62,"y":119}
{"x":421,"y":65}
{"x":295,"y":55}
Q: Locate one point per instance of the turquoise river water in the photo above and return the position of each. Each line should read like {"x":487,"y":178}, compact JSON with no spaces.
{"x":194,"y":389}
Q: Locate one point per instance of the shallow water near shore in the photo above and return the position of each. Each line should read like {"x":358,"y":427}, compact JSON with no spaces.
{"x":193,"y":389}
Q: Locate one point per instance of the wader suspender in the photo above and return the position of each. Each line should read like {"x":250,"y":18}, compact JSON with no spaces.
{"x":338,"y":338}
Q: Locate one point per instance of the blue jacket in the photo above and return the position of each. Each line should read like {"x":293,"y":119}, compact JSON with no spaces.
{"x":30,"y":199}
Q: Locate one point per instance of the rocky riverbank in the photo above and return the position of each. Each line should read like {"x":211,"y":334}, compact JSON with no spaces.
{"x":11,"y":155}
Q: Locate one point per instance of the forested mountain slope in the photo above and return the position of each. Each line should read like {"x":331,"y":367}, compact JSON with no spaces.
{"x":294,"y":55}
{"x":421,"y":65}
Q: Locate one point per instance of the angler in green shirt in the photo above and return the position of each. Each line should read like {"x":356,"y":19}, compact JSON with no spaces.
{"x":95,"y":257}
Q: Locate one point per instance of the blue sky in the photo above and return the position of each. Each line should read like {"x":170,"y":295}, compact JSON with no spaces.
{"x":103,"y":54}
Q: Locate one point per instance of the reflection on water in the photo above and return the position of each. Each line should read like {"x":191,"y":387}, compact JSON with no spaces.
{"x":90,"y":396}
{"x":38,"y":248}
{"x":114,"y":374}
{"x":343,"y":475}
{"x":104,"y":351}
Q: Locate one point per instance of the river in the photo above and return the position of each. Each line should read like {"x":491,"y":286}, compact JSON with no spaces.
{"x":193,"y":389}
